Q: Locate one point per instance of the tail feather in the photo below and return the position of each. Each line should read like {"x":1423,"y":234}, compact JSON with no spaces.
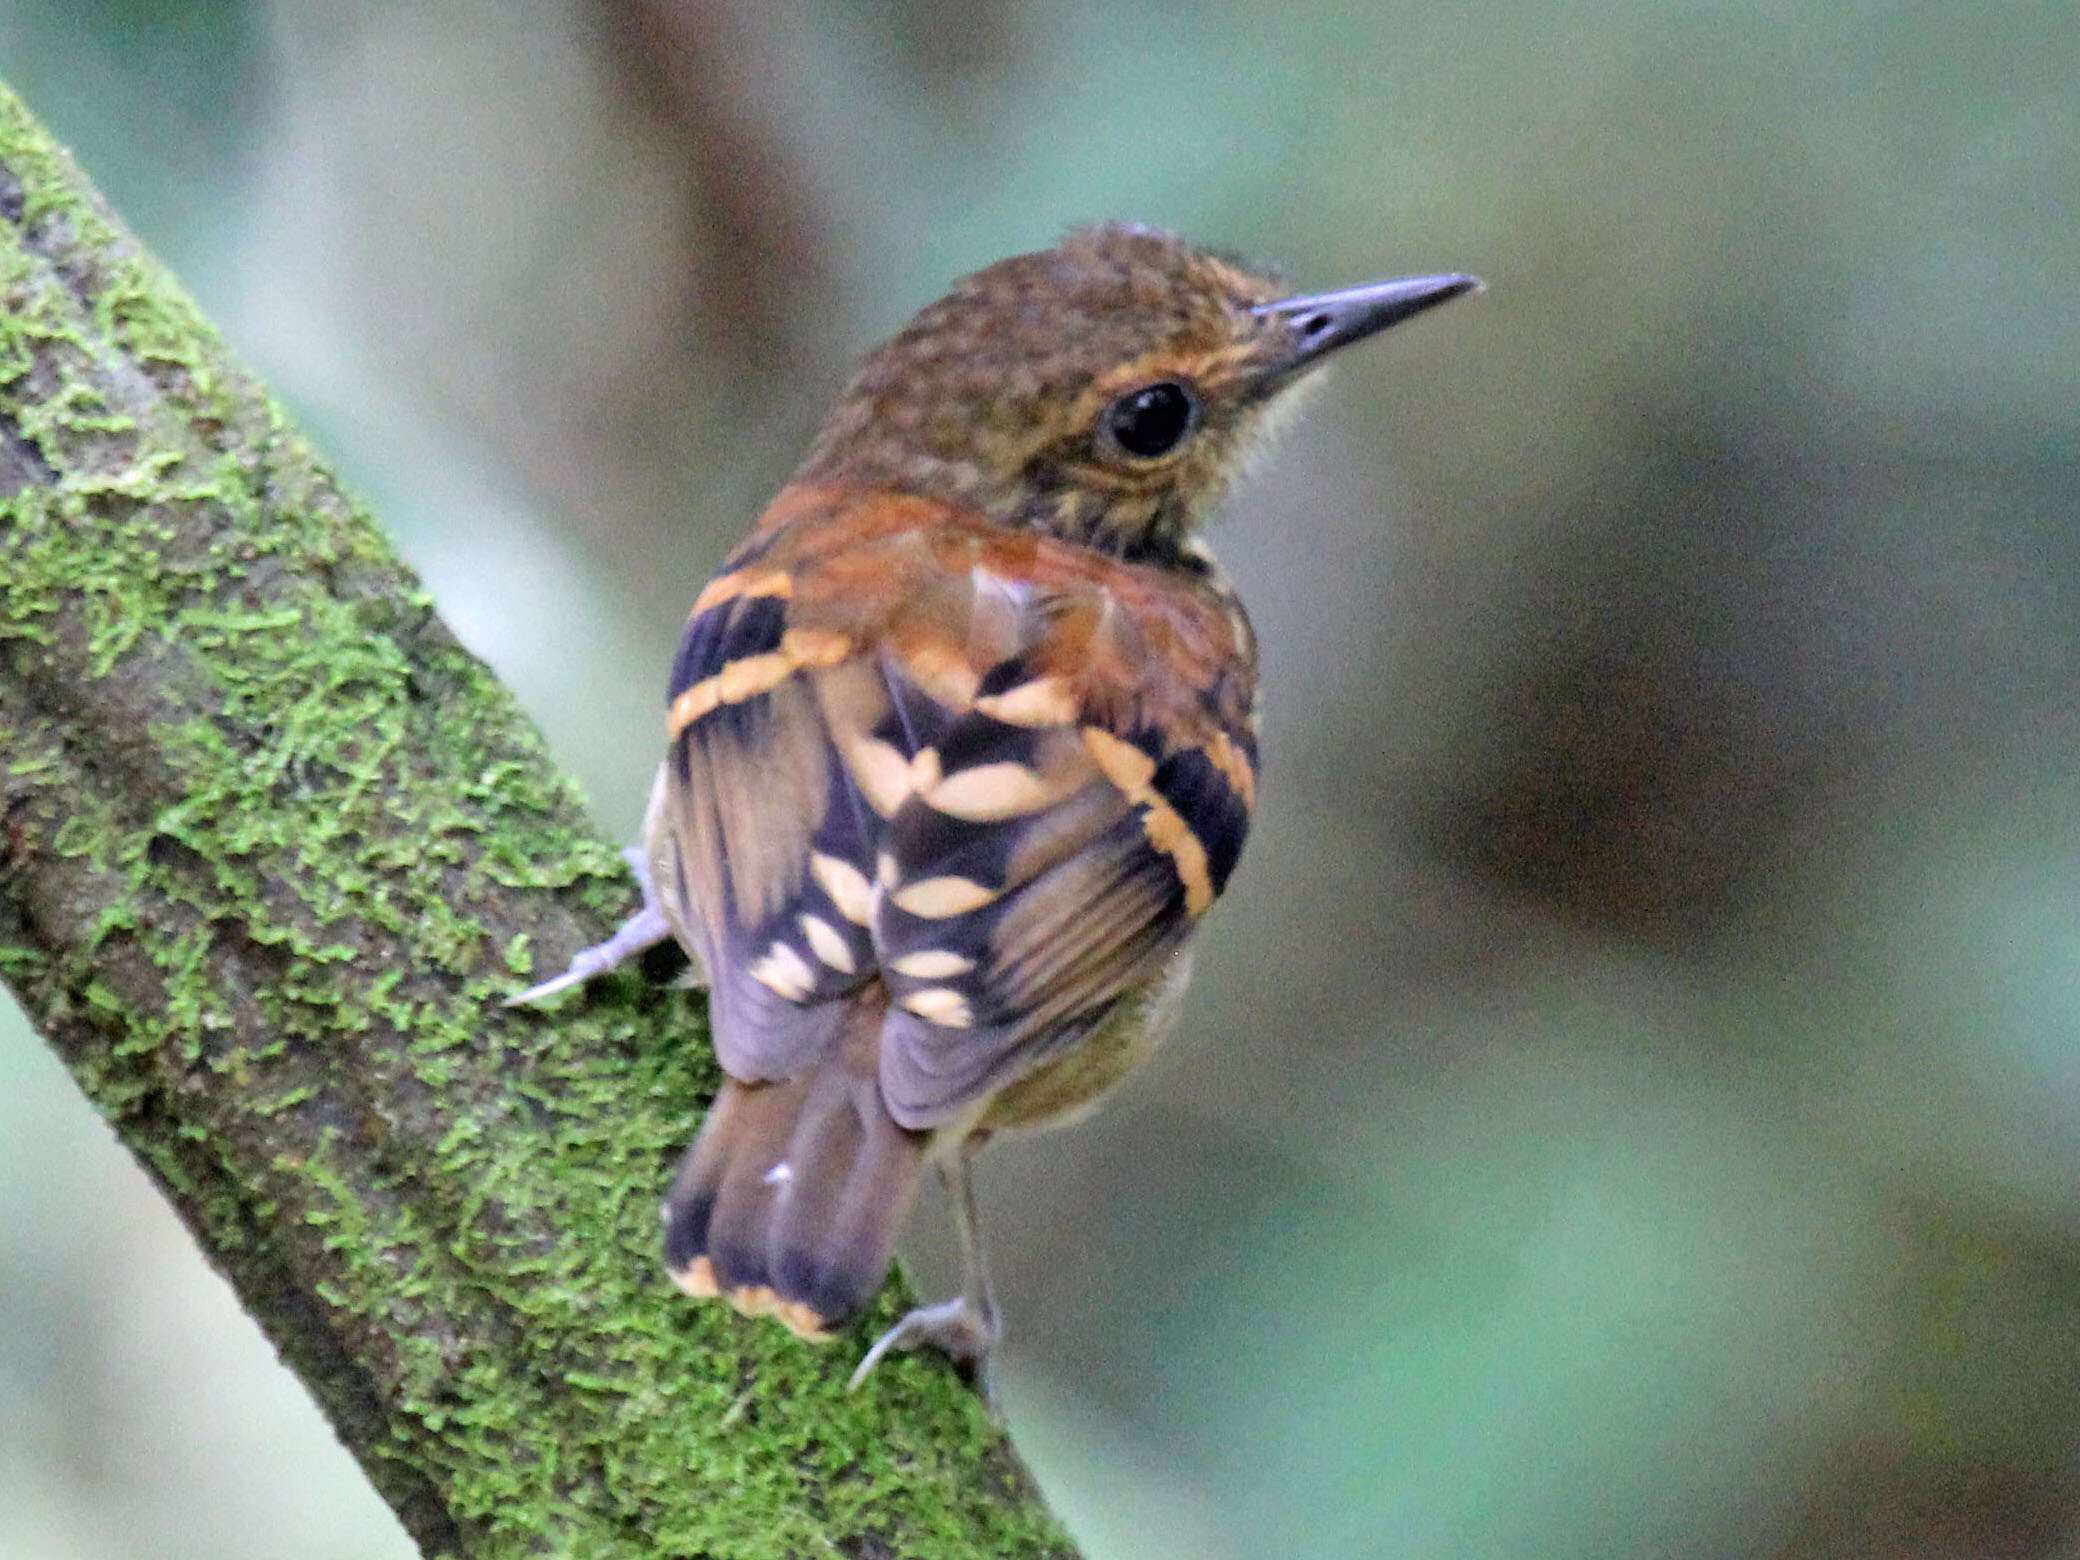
{"x":789,"y":1202}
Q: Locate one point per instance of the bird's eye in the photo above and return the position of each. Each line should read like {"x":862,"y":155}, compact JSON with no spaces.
{"x":1151,"y":421}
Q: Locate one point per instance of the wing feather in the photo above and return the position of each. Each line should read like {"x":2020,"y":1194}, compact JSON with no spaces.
{"x":1001,"y":775}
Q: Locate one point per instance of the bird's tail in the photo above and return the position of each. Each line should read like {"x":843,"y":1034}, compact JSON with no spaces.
{"x":790,"y":1199}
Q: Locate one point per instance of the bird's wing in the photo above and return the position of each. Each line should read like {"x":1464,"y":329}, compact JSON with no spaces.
{"x":1002,"y":774}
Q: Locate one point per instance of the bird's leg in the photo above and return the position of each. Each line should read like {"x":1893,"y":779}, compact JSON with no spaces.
{"x":966,"y":1328}
{"x":645,"y":929}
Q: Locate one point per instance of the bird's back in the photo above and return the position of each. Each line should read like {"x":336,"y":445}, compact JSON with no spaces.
{"x":944,"y":803}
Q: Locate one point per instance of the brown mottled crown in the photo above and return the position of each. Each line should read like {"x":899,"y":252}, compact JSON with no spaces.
{"x":996,"y":395}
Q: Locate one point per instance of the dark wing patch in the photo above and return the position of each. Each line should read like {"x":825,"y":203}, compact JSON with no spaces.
{"x":1035,"y":872}
{"x":740,"y":645}
{"x":1191,"y":786}
{"x":742,"y":626}
{"x":758,"y":807}
{"x":753,"y":794}
{"x":1050,"y":959}
{"x":1006,"y":795}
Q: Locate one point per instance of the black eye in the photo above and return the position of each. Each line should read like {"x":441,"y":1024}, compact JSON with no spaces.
{"x":1151,"y":421}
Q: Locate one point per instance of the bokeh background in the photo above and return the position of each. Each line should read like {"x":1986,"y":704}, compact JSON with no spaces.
{"x":1631,"y":1100}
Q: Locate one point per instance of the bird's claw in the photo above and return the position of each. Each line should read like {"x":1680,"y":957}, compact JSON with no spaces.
{"x":645,"y":929}
{"x":956,"y":1328}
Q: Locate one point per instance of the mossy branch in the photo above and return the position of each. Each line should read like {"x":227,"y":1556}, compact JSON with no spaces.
{"x":271,"y":846}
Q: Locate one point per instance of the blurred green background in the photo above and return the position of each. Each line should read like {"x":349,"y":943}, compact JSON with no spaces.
{"x":1630,"y":1104}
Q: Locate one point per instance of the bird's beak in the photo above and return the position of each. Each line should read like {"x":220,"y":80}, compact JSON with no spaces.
{"x":1319,"y":325}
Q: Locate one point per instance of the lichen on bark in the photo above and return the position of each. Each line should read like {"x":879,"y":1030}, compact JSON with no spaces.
{"x":271,"y":846}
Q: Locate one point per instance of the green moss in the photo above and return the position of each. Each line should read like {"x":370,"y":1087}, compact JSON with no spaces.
{"x":279,"y":859}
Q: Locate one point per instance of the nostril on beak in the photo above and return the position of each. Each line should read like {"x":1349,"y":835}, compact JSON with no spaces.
{"x":1328,"y":322}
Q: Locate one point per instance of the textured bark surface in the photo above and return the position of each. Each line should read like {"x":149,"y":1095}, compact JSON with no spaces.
{"x":271,"y":846}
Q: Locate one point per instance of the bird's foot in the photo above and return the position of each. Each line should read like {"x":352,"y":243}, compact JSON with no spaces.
{"x":645,"y":929}
{"x":958,"y":1328}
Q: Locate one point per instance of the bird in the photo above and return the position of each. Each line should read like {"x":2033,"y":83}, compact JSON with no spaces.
{"x":961,"y":748}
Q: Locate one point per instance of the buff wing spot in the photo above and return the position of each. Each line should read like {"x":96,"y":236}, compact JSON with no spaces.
{"x":940,"y":1005}
{"x":846,"y":885}
{"x":749,"y":676}
{"x":932,"y":964}
{"x":988,"y":793}
{"x":827,"y":943}
{"x":939,"y":898}
{"x":1045,"y":701}
{"x":784,"y":972}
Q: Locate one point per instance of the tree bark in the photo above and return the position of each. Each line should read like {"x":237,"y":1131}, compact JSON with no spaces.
{"x":272,"y":845}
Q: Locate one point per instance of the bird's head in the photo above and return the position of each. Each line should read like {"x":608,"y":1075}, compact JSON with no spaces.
{"x":1105,"y":390}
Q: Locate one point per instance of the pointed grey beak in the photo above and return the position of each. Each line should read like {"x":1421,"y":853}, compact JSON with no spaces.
{"x":1323,"y":323}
